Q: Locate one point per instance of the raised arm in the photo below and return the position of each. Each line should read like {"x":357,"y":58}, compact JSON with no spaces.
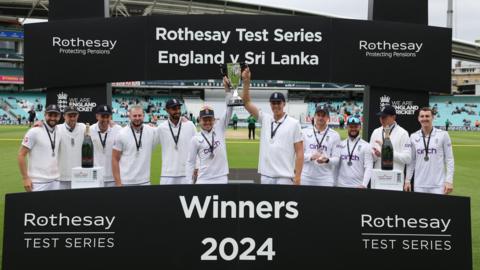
{"x":249,"y":106}
{"x":225,"y":119}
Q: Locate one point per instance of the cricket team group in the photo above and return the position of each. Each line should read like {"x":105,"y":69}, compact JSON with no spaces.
{"x":289,"y":155}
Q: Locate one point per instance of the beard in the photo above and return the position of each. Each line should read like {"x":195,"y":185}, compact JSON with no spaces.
{"x":175,"y":116}
{"x":137,"y":123}
{"x":353,"y":134}
{"x":52,"y":123}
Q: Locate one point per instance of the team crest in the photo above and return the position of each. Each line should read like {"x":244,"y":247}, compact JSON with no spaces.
{"x":62,"y":100}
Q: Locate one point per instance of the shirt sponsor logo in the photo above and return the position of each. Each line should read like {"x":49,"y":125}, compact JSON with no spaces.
{"x":316,"y":146}
{"x":346,"y":157}
{"x":430,"y":151}
{"x":215,"y":145}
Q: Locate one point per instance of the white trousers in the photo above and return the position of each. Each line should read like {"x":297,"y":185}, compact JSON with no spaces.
{"x":140,"y":184}
{"x":174,"y":180}
{"x":217,"y":180}
{"x":109,"y":184}
{"x":44,"y":186}
{"x":64,"y":184}
{"x":431,"y":190}
{"x":307,"y":181}
{"x":267,"y":180}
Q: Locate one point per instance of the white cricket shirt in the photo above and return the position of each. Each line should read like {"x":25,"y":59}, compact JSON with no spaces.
{"x":102,"y":156}
{"x":440,"y":165}
{"x":42,"y":166}
{"x":360,"y":171}
{"x":277,"y":154}
{"x":135,"y":165}
{"x":311,"y":169}
{"x":70,"y":149}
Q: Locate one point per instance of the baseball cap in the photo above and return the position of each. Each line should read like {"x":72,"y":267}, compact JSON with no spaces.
{"x":104,"y":109}
{"x":70,"y":109}
{"x":387,"y":110}
{"x":173,"y":103}
{"x":277,"y":96}
{"x":321,"y":109}
{"x":52,"y":108}
{"x":206,"y":112}
{"x":352,"y":120}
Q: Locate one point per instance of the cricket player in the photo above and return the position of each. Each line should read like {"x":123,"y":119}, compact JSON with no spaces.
{"x":353,"y":157}
{"x":41,"y":145}
{"x":208,"y":146}
{"x":132,"y":150}
{"x":71,"y":134}
{"x":432,"y":158}
{"x":319,"y":141}
{"x":175,"y":136}
{"x":103,"y":134}
{"x":281,"y":143}
{"x":398,"y":136}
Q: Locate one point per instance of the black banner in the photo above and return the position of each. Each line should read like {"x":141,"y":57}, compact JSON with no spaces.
{"x":296,"y":48}
{"x":85,"y":98}
{"x":406,"y":103}
{"x":236,"y":227}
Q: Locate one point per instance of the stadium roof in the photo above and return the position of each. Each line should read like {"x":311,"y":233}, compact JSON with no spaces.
{"x":39,"y":9}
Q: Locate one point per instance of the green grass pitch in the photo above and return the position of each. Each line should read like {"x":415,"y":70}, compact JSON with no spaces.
{"x":244,"y":154}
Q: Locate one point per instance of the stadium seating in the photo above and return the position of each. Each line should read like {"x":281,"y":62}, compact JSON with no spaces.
{"x":461,"y":111}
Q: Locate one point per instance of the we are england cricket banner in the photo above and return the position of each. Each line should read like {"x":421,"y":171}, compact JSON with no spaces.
{"x":90,"y":51}
{"x":236,"y":227}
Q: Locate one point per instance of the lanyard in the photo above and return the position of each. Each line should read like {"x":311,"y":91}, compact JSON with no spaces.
{"x":69,"y":128}
{"x":52,"y":143}
{"x":104,"y":141}
{"x":139,"y":142}
{"x":274,"y":131}
{"x":390,"y":133}
{"x":350,"y":155}
{"x":210,"y":145}
{"x":315,"y":133}
{"x":426,"y":143}
{"x":175,"y":138}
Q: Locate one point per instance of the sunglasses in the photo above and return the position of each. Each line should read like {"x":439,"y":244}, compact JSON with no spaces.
{"x":353,"y":120}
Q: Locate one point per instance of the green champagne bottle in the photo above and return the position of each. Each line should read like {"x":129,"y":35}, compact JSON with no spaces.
{"x":87,"y":149}
{"x":387,"y":152}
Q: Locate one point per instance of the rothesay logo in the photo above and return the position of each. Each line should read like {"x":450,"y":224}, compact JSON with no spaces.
{"x":82,"y":46}
{"x":402,"y":107}
{"x":387,"y":49}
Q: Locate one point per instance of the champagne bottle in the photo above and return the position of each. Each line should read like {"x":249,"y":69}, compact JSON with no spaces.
{"x":387,"y":152}
{"x":87,"y":149}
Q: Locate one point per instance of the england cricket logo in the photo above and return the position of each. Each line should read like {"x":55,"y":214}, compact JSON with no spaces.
{"x":62,"y":101}
{"x":384,"y":101}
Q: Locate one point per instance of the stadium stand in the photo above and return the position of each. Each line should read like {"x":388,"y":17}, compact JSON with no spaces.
{"x":460,"y":111}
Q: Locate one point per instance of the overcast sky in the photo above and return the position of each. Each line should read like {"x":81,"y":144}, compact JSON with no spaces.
{"x":466,"y":22}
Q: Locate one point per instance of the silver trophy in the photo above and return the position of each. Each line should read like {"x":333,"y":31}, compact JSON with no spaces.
{"x":234,"y":74}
